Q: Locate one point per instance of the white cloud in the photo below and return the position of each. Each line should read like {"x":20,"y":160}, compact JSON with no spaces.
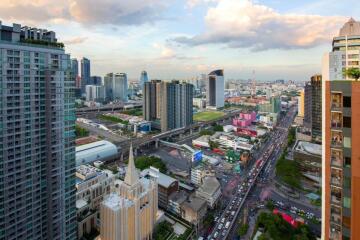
{"x":88,"y":12}
{"x":75,"y":40}
{"x":245,"y":24}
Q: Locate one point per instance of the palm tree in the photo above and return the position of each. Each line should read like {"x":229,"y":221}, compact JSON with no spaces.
{"x":352,"y":73}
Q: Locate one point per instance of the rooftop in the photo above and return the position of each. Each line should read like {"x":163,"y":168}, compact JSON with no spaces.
{"x":309,"y":148}
{"x":95,"y":151}
{"x":350,"y":28}
{"x":195,"y":203}
{"x":162,"y":179}
{"x":210,"y":185}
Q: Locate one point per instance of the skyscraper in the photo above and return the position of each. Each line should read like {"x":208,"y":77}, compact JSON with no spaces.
{"x":301,"y":104}
{"x":316,"y":99}
{"x":37,"y":163}
{"x":215,"y":89}
{"x":75,"y":67}
{"x":95,"y":93}
{"x":116,"y":87}
{"x":307,"y":105}
{"x":152,"y":100}
{"x":130,"y":212}
{"x":85,"y":73}
{"x":143,"y":79}
{"x":95,"y":80}
{"x":169,"y":102}
{"x":176,"y":105}
{"x":341,"y":137}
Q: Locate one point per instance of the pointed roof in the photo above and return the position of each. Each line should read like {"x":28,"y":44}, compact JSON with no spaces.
{"x":350,"y":28}
{"x":131,"y":177}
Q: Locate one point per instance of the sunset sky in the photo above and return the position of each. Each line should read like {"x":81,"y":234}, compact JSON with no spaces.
{"x":183,"y":38}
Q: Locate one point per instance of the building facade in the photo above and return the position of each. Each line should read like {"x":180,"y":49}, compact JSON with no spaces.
{"x":130,"y":212}
{"x":92,"y":185}
{"x":170,"y":103}
{"x":143,"y":79}
{"x":37,"y":163}
{"x":116,"y":87}
{"x":95,"y":93}
{"x":301,"y":104}
{"x":316,"y":99}
{"x":341,"y":137}
{"x":95,"y":80}
{"x":307,"y":105}
{"x":85,"y":74}
{"x":176,"y":105}
{"x":215,"y":88}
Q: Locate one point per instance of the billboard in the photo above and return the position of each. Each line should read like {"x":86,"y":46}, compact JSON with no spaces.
{"x":247,"y":132}
{"x":197,"y":156}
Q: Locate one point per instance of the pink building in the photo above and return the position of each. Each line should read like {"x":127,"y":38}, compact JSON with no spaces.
{"x":244,"y":119}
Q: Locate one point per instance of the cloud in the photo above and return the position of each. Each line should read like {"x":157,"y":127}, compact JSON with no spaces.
{"x":168,"y":53}
{"x":87,"y":12}
{"x":245,"y":24}
{"x":75,"y":40}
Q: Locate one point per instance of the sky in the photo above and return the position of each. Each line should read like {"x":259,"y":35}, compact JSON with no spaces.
{"x":180,"y":39}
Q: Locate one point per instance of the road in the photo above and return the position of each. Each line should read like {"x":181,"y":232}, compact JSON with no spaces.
{"x":226,"y":224}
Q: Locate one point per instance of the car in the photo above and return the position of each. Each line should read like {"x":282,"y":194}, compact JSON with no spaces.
{"x":223,"y":220}
{"x":220,"y":226}
{"x":223,"y":233}
{"x":216,"y":234}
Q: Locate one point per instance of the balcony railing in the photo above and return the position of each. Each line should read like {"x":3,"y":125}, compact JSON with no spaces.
{"x":336,"y":161}
{"x":335,"y":218}
{"x":336,"y":124}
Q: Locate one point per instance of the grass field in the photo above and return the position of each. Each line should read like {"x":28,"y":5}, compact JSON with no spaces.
{"x":207,"y":116}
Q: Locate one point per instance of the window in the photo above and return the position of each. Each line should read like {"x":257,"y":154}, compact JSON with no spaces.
{"x":347,"y":122}
{"x":346,"y":222}
{"x":347,"y":182}
{"x":347,"y":162}
{"x":347,"y":102}
{"x":347,"y":202}
{"x":347,"y":142}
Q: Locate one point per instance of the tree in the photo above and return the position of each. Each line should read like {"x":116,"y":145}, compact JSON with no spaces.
{"x":242,"y":230}
{"x":352,"y":73}
{"x":218,"y":128}
{"x":213,"y":145}
{"x":81,"y":132}
{"x":206,"y":132}
{"x":144,"y":162}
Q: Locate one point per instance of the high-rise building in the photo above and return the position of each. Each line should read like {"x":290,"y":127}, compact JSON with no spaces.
{"x":301,"y":104}
{"x":307,"y":105}
{"x":176,"y":105}
{"x":116,"y":87}
{"x":169,"y":102}
{"x":341,"y":137}
{"x":143,"y":79}
{"x":75,"y":67}
{"x":215,"y":89}
{"x":316,"y":99}
{"x":95,"y":80}
{"x":85,"y":73}
{"x":95,"y":93}
{"x":152,"y":100}
{"x":130,"y":212}
{"x":37,"y":137}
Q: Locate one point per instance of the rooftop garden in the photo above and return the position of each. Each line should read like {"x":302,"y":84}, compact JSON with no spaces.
{"x":43,"y":43}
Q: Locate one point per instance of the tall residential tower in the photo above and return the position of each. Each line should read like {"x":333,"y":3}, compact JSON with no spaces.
{"x":85,"y":74}
{"x":341,"y":137}
{"x":215,"y":89}
{"x":37,"y":139}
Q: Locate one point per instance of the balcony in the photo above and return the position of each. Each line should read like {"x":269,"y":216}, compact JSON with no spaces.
{"x":336,"y":100}
{"x":336,"y":158}
{"x":335,"y":232}
{"x":335,"y":215}
{"x":335,"y":195}
{"x":337,"y":139}
{"x":336,"y":120}
{"x":336,"y":177}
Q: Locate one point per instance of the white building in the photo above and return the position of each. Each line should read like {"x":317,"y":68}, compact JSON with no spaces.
{"x":210,"y":191}
{"x":227,"y":140}
{"x":116,"y":87}
{"x":95,"y":93}
{"x":215,"y":89}
{"x":95,"y":151}
{"x":92,"y":185}
{"x":130,"y":212}
{"x":199,"y":173}
{"x":199,"y":103}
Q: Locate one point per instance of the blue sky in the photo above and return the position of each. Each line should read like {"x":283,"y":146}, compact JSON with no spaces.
{"x":184,"y":38}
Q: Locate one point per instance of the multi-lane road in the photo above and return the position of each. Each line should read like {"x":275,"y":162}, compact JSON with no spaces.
{"x":228,"y":219}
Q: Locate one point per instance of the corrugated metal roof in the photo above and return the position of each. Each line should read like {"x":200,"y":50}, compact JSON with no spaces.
{"x":95,"y":151}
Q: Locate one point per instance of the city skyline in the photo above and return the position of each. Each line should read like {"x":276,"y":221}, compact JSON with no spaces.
{"x":150,"y":35}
